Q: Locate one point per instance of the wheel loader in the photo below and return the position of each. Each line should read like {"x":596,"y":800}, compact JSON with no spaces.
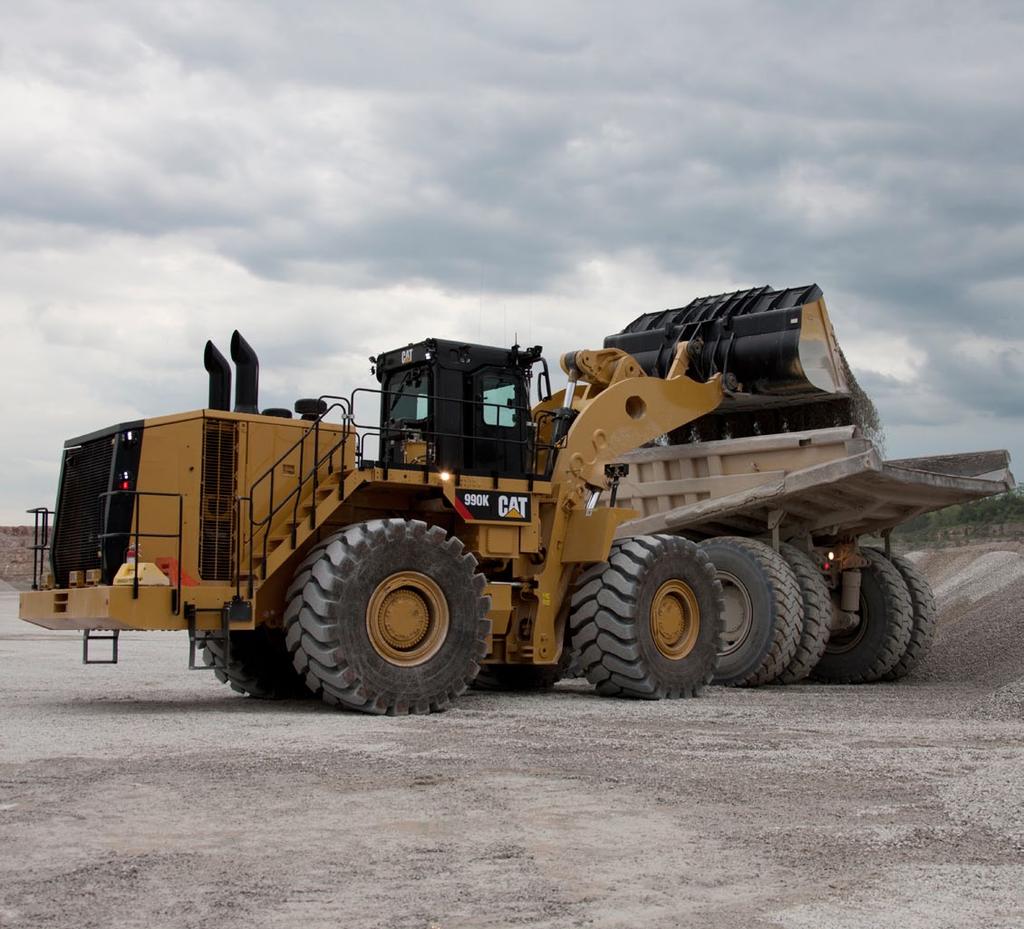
{"x":465,"y":535}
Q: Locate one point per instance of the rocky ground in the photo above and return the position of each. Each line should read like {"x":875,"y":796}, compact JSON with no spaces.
{"x":146,"y":795}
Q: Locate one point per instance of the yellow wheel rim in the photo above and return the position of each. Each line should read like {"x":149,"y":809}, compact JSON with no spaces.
{"x":407,"y":619}
{"x":675,"y":619}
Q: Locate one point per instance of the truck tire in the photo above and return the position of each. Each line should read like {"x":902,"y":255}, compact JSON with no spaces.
{"x":922,"y":601}
{"x":817,"y":603}
{"x":872,"y":649}
{"x":258,"y":665}
{"x":388,"y":616}
{"x":763,"y":615}
{"x":646,"y":623}
{"x":518,"y":677}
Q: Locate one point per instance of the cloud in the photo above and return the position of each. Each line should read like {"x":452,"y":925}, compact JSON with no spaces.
{"x":336,"y":178}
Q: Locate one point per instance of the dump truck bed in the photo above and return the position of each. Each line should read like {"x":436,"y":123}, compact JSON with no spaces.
{"x":826,"y":482}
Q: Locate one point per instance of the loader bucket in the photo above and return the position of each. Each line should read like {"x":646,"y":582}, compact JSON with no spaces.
{"x":773,"y":347}
{"x":783,"y":369}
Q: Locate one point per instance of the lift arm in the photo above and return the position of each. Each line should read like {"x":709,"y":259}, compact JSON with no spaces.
{"x":616,"y":402}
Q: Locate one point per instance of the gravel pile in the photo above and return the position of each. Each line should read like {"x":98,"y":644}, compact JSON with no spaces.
{"x":980,"y":641}
{"x":16,"y":555}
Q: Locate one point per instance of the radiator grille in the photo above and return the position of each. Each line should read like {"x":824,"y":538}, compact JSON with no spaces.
{"x":76,"y":545}
{"x":217,"y":500}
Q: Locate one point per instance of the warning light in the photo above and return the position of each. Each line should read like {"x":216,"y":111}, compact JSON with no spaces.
{"x":124,"y":480}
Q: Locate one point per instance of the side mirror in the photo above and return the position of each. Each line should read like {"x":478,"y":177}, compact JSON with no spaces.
{"x":544,"y":382}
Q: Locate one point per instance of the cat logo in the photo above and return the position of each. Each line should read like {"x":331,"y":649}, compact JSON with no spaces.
{"x":477,"y":504}
{"x":513,"y":507}
{"x":406,"y":355}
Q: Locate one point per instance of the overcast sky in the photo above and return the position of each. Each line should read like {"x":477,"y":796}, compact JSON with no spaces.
{"x":338,"y":179}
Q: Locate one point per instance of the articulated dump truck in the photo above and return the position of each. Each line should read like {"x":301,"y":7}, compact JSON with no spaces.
{"x":467,"y":535}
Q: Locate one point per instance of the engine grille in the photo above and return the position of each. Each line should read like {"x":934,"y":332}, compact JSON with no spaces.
{"x":217,"y":500}
{"x":86,"y":475}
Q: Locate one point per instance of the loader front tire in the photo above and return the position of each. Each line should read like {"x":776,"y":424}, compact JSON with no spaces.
{"x":764,"y":613}
{"x":817,"y":603}
{"x":388,"y":616}
{"x":258,"y":665}
{"x":646,"y":623}
{"x":876,"y":644}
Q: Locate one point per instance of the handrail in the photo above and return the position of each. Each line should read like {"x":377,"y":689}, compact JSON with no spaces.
{"x":382,"y":430}
{"x":138,"y":495}
{"x":310,"y":476}
{"x":268,"y":476}
{"x":40,"y":541}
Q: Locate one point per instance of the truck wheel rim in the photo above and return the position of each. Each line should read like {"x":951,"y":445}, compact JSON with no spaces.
{"x":675,"y":619}
{"x":841,"y":642}
{"x":407,"y":619}
{"x":738,"y":614}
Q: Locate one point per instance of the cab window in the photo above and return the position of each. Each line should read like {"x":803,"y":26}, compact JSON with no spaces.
{"x":499,"y":400}
{"x":408,"y":396}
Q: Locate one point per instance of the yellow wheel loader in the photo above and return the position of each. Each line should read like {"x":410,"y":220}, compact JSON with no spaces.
{"x":465,"y":535}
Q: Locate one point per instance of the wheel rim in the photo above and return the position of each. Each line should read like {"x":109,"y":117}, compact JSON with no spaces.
{"x":407,"y":619}
{"x":675,"y":619}
{"x":738,"y":613}
{"x":841,"y":642}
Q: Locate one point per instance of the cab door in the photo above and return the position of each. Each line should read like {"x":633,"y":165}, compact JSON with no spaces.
{"x":498,"y":426}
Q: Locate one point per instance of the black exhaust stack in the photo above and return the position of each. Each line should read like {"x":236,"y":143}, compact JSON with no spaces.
{"x":247,"y":366}
{"x":220,"y":378}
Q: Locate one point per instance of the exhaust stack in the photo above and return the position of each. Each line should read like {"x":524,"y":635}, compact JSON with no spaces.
{"x":247,"y":366}
{"x":220,"y":378}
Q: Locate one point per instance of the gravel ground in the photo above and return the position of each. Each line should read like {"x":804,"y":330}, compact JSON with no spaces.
{"x":147,"y":795}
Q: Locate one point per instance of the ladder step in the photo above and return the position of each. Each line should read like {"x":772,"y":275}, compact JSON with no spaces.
{"x":90,"y":635}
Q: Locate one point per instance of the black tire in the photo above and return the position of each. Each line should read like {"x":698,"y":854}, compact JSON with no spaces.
{"x":874,"y":648}
{"x":611,"y":619}
{"x":817,"y":603}
{"x":329,"y":629}
{"x":517,"y":677}
{"x":922,"y":601}
{"x":764,"y":611}
{"x":259,"y":665}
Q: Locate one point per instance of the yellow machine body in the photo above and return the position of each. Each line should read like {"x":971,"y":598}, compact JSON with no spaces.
{"x":228,"y":504}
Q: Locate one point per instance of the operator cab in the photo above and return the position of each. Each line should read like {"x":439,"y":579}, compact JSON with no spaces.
{"x":456,"y":407}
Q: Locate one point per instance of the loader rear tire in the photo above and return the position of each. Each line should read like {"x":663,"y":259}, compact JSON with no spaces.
{"x":388,"y":616}
{"x":258,"y":665}
{"x":874,"y":647}
{"x":518,"y":677}
{"x":817,"y":602}
{"x":922,"y":634}
{"x":646,"y":623}
{"x":764,"y":612}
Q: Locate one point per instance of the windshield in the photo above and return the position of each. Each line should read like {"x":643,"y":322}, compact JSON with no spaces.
{"x":408,"y":396}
